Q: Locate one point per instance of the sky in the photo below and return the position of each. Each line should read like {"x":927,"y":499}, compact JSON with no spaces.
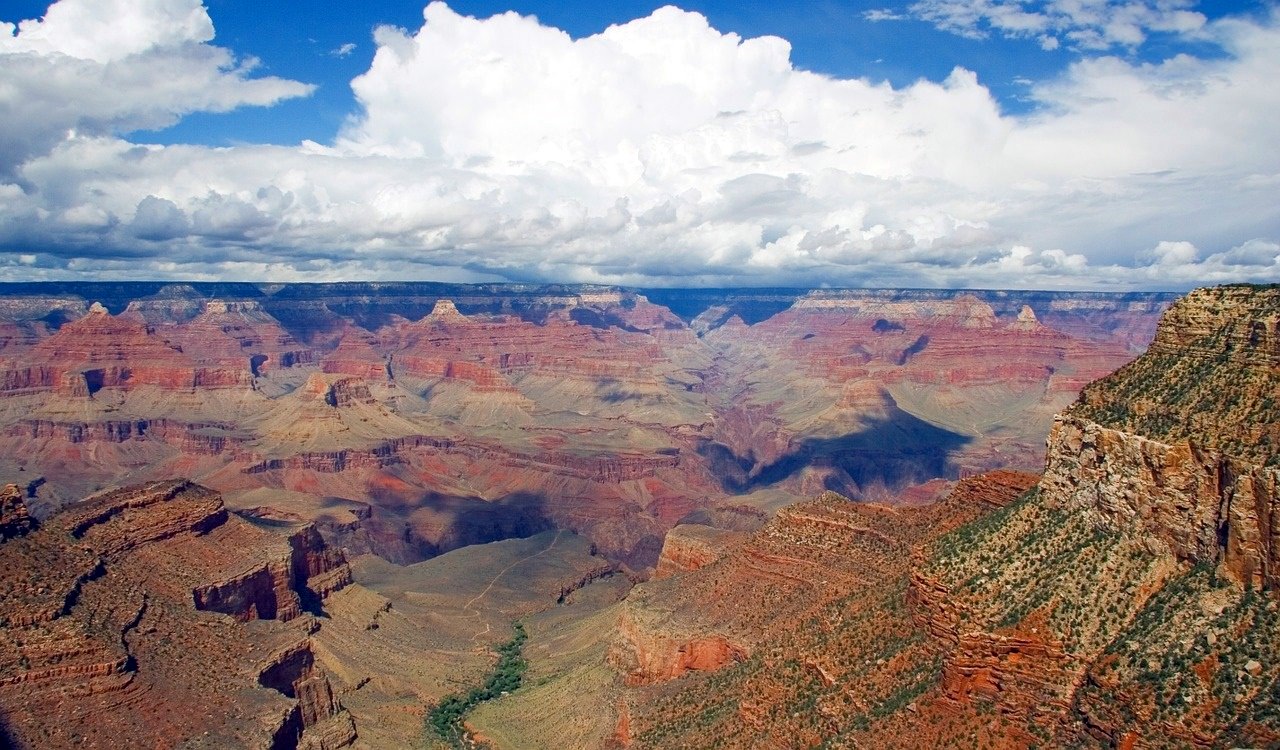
{"x":1059,"y":144}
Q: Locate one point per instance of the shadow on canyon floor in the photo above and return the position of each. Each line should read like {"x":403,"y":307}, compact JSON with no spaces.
{"x":893,"y":452}
{"x":408,"y":530}
{"x":6,"y":739}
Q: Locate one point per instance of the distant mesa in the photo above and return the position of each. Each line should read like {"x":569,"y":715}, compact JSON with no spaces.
{"x":221,"y":307}
{"x":445,"y":312}
{"x":1026,"y":320}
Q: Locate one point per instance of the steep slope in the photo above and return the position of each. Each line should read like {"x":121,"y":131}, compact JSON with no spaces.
{"x":816,"y":604}
{"x":788,"y":635}
{"x":149,"y":616}
{"x":1211,"y":376}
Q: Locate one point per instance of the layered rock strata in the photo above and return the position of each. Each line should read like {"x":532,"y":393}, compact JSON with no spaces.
{"x":105,"y":644}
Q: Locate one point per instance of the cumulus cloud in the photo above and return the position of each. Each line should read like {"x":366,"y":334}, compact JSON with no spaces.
{"x":1085,"y":24}
{"x":662,"y":151}
{"x":110,"y":66}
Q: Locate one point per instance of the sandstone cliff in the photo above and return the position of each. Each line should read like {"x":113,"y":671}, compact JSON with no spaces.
{"x":1131,"y":601}
{"x":104,"y":644}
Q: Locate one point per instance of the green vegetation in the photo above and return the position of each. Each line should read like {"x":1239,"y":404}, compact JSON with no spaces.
{"x":445,"y":719}
{"x":961,"y":543}
{"x":1182,"y":662}
{"x":1216,"y":390}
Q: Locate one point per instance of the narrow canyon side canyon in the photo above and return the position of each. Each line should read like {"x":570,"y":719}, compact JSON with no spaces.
{"x":284,"y":516}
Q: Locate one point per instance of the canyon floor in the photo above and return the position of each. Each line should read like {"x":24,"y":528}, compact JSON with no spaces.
{"x":732,"y":518}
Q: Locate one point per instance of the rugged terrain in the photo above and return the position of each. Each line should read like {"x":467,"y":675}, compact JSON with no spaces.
{"x":1127,"y":599}
{"x":389,"y":477}
{"x":407,"y":420}
{"x":152,"y":617}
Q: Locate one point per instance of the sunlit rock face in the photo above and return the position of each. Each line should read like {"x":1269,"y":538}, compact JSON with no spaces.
{"x":171,"y":620}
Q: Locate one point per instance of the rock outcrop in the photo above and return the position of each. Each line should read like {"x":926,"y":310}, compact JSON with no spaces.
{"x":692,"y":546}
{"x":1204,"y":505}
{"x":1152,"y":536}
{"x":647,"y":655}
{"x":1210,"y":378}
{"x":103,"y":645}
{"x":15,"y":521}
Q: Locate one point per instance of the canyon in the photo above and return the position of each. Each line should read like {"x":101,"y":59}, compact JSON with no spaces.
{"x":407,"y":420}
{"x":1124,"y":597}
{"x":785,"y":518}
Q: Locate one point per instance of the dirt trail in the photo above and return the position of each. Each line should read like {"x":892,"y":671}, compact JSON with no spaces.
{"x":469,"y":606}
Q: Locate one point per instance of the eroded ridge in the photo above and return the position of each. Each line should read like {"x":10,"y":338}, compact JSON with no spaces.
{"x":106,"y":644}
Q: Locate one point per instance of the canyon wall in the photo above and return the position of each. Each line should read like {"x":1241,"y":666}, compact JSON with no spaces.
{"x":110,"y":637}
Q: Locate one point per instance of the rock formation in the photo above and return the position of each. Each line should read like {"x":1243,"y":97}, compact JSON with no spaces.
{"x":692,"y":546}
{"x":105,"y":644}
{"x":15,"y":521}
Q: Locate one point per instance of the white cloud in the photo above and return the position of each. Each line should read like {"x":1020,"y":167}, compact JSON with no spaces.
{"x":664,"y":152}
{"x":884,"y":14}
{"x":343,"y":50}
{"x":103,"y":66}
{"x":105,"y":31}
{"x":1087,"y":24}
{"x":1167,"y":253}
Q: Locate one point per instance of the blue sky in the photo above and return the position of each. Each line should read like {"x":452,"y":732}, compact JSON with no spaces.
{"x":1047,"y":143}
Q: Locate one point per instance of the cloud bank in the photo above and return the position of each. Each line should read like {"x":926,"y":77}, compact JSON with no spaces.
{"x":660,"y":151}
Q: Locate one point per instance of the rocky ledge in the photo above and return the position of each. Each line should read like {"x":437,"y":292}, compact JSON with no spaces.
{"x":123,"y":625}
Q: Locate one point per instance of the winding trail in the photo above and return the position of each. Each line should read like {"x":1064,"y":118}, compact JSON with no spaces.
{"x":470,"y":606}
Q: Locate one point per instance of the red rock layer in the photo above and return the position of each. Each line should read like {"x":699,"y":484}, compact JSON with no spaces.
{"x":102,"y":646}
{"x":105,"y":351}
{"x":239,"y":335}
{"x":356,"y":355}
{"x":511,"y":346}
{"x":791,"y":619}
{"x":945,"y":342}
{"x":690,"y":547}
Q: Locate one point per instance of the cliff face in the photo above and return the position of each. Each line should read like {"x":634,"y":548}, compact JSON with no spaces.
{"x":1204,"y":505}
{"x":103,"y":603}
{"x":1132,"y":600}
{"x":1184,"y":442}
{"x":1210,"y":377}
{"x":15,"y":521}
{"x":692,"y":546}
